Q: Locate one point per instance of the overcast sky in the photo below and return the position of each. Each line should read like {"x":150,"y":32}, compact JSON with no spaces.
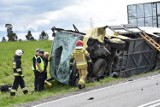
{"x":39,"y":15}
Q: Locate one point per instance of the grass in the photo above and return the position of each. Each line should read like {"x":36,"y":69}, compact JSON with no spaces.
{"x":6,"y":73}
{"x":6,"y":76}
{"x":57,"y":89}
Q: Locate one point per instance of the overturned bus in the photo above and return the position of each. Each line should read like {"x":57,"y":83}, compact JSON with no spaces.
{"x":122,"y":51}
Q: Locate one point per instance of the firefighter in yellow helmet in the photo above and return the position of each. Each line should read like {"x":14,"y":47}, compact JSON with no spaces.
{"x":81,"y":56}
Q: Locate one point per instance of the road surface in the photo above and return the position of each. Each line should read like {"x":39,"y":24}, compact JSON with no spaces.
{"x":143,"y":92}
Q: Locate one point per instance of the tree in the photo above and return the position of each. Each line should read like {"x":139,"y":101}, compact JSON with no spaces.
{"x":12,"y":37}
{"x":43,"y":36}
{"x":10,"y":34}
{"x":29,"y":36}
{"x":4,"y":39}
{"x":9,"y":28}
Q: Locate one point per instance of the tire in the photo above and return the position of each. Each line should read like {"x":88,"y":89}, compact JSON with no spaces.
{"x":99,"y":68}
{"x":117,"y":43}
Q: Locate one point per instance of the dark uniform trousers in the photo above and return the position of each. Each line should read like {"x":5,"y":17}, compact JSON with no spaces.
{"x":18,"y":80}
{"x":39,"y":76}
{"x":39,"y":80}
{"x":35,"y":79}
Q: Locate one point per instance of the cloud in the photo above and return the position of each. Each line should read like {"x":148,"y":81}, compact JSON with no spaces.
{"x":81,"y":12}
{"x":38,"y":15}
{"x":2,"y":29}
{"x":26,"y":12}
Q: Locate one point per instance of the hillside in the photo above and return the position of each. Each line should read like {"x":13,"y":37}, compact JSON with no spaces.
{"x":7,"y":53}
{"x":6,"y":57}
{"x":6,"y":74}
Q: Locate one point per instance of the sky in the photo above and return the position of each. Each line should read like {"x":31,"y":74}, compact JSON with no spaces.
{"x":42,"y":15}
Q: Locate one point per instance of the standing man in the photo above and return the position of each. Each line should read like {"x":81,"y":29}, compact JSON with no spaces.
{"x":40,"y":71}
{"x":81,"y":57}
{"x":17,"y":72}
{"x":34,"y":68}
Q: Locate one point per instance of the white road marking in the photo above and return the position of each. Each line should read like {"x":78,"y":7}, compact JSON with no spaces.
{"x":155,"y":105}
{"x":150,"y":103}
{"x":95,"y":90}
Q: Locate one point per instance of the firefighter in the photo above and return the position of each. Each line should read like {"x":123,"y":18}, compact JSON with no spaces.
{"x":81,"y":57}
{"x":34,"y":67}
{"x":40,"y":71}
{"x":17,"y":72}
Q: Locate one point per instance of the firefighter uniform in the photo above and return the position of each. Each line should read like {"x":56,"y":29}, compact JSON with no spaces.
{"x":18,"y":77}
{"x":40,"y":72}
{"x":81,"y":57}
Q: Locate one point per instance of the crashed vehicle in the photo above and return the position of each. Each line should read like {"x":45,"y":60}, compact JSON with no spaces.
{"x":114,"y":50}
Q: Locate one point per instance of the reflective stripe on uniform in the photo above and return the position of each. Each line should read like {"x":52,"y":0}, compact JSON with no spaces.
{"x":35,"y":66}
{"x":13,"y":90}
{"x":19,"y":69}
{"x":25,"y":88}
{"x":81,"y":65}
{"x":16,"y":74}
{"x":14,"y":64}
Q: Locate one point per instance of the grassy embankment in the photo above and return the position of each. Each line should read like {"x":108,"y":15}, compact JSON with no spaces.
{"x":6,"y":57}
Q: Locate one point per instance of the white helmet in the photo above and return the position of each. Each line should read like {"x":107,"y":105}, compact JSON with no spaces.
{"x":19,"y":52}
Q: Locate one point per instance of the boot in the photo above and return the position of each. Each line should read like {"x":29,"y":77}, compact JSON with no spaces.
{"x":12,"y":94}
{"x":80,"y":86}
{"x":25,"y":91}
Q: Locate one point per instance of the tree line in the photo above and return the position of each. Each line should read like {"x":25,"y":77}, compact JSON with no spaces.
{"x":13,"y":36}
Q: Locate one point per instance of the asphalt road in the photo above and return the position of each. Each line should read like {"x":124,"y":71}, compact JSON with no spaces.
{"x":143,"y":92}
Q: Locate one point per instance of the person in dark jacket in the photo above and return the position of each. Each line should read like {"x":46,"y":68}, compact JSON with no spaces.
{"x":34,"y":68}
{"x":17,"y":72}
